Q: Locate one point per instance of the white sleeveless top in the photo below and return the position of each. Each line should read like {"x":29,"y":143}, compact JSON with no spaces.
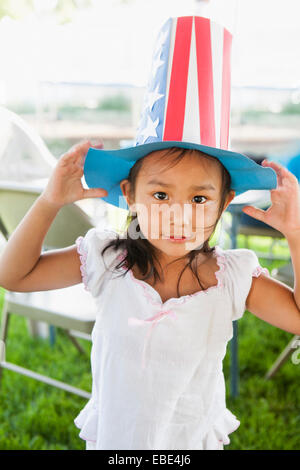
{"x":157,"y":367}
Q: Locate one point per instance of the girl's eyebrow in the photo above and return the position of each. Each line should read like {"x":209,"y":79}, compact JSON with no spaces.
{"x":197,"y":187}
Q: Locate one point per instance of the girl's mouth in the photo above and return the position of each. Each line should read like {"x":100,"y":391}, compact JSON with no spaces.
{"x":178,"y":240}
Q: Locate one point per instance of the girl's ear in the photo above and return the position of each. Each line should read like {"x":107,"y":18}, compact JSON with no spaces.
{"x":230,"y":197}
{"x":125,"y":188}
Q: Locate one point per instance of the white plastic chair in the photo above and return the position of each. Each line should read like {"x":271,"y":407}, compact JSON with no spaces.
{"x":23,"y":154}
{"x":72,"y":308}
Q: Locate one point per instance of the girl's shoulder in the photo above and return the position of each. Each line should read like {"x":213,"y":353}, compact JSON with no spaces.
{"x":242,"y":261}
{"x":94,"y":265}
{"x":96,"y":236}
{"x":242,"y":264}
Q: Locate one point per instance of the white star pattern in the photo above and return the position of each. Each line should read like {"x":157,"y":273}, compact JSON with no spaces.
{"x":150,"y":129}
{"x":152,"y":97}
{"x":143,"y":112}
{"x":149,"y":99}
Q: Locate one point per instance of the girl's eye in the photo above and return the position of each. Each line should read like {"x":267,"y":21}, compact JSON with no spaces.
{"x":159,"y":192}
{"x":199,"y":197}
{"x":164,"y":194}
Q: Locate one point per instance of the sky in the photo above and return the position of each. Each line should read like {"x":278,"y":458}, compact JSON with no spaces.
{"x":113,"y":43}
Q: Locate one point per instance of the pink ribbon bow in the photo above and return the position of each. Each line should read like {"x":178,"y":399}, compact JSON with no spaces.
{"x":132,"y":321}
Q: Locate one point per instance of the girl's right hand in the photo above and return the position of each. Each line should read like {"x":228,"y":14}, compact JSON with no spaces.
{"x":64,"y":185}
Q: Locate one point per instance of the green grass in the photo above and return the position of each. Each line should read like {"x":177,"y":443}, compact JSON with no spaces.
{"x":36,"y":416}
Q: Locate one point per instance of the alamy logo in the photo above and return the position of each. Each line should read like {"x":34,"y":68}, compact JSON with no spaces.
{"x":162,"y":221}
{"x":296,"y":354}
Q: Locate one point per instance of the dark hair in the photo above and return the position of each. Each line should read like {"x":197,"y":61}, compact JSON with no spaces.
{"x":140,"y":251}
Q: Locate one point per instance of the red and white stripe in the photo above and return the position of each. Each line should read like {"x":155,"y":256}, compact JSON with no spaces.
{"x":198,"y":83}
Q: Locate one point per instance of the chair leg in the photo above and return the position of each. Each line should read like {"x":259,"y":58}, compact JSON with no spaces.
{"x":52,"y":335}
{"x":4,"y":329}
{"x":75,"y":342}
{"x":29,"y":373}
{"x":282,"y":358}
{"x":45,"y":379}
{"x":4,"y":322}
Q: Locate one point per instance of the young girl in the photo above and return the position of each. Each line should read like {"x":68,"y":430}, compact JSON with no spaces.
{"x":163,"y":390}
{"x":165,"y":303}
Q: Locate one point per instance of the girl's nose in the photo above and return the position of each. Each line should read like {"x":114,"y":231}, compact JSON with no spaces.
{"x":187,"y":215}
{"x":183,"y":219}
{"x":183,"y":215}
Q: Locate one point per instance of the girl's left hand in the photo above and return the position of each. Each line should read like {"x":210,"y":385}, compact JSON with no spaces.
{"x":284,"y":212}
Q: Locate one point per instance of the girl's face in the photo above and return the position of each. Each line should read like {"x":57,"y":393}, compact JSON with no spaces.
{"x":176,"y":200}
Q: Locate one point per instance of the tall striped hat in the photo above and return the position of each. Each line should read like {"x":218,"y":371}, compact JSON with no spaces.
{"x":186,"y":105}
{"x":188,"y":96}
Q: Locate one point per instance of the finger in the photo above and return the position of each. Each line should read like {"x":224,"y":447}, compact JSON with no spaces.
{"x":97,"y":143}
{"x":95,"y":192}
{"x":77,"y":151}
{"x":76,"y":155}
{"x":280,"y":170}
{"x":258,"y":214}
{"x":277,"y":166}
{"x":80,"y":146}
{"x":287,"y":176}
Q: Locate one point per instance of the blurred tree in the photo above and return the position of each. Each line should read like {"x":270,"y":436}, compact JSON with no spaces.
{"x":62,"y":9}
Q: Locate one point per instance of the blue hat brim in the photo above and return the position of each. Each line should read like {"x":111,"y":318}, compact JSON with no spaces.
{"x":107,"y":168}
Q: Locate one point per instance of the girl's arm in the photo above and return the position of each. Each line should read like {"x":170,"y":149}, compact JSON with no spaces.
{"x":270,"y":299}
{"x":22,"y":266}
{"x":274,"y":302}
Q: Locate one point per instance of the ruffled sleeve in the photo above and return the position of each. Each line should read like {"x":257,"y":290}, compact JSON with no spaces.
{"x":87,"y":421}
{"x":243,"y":265}
{"x":218,"y":433}
{"x":93,"y":265}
